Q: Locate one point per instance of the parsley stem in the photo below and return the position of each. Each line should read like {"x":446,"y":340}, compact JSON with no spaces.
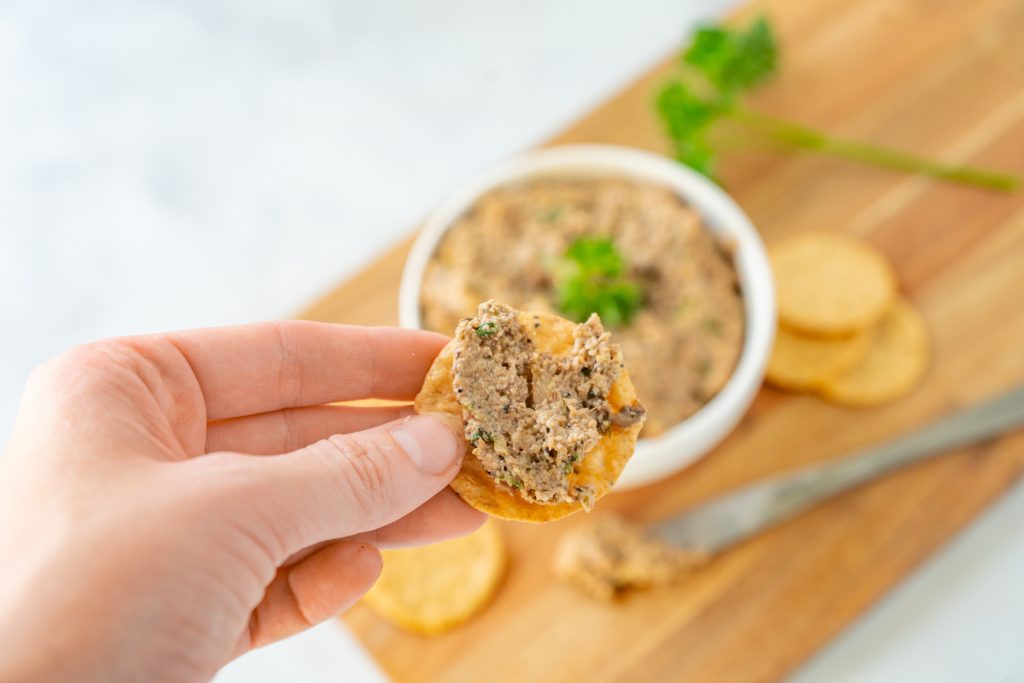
{"x":803,"y":137}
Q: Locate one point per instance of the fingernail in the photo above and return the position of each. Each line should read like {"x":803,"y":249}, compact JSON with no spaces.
{"x":429,"y":443}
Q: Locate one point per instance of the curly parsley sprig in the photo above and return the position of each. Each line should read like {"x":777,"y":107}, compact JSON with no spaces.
{"x":590,"y":278}
{"x":722,"y":63}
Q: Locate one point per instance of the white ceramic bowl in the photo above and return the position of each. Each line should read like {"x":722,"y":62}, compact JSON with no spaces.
{"x":660,"y":456}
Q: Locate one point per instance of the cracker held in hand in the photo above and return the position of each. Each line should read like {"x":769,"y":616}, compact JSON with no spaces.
{"x":433,"y":588}
{"x":831,"y":284}
{"x":546,"y":405}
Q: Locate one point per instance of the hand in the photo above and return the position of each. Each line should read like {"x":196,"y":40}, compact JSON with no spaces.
{"x":144,"y":538}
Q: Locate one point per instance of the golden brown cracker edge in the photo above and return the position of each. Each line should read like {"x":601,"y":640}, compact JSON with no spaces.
{"x":801,"y":362}
{"x":600,"y":468}
{"x":894,"y":366}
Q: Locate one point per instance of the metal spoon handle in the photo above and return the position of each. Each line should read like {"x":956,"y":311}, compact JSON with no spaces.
{"x":731,"y":518}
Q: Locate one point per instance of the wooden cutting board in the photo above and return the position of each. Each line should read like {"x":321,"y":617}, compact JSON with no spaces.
{"x":938,"y":77}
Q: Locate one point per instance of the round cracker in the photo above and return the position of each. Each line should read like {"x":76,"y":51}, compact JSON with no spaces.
{"x":895,"y":364}
{"x":433,"y":588}
{"x":599,"y":468}
{"x":801,"y":362}
{"x":830,"y":283}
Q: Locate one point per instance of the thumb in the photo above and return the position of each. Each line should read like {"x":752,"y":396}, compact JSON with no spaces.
{"x":350,"y":483}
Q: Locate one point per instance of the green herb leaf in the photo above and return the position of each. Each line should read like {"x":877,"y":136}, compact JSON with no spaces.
{"x":486,"y":328}
{"x":481,"y":434}
{"x":683,"y":112}
{"x":733,"y":59}
{"x":757,"y":56}
{"x":589,"y":279}
{"x":722,"y":63}
{"x":686,"y":118}
{"x":596,"y":254}
{"x":698,"y":154}
{"x":709,"y":50}
{"x":727,"y":61}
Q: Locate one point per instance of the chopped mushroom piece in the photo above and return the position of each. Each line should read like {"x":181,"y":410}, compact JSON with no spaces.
{"x":628,"y":415}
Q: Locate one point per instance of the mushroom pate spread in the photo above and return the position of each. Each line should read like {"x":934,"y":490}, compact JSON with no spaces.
{"x":531,"y":415}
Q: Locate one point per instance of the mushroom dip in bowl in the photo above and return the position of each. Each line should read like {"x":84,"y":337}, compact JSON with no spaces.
{"x":673,"y":267}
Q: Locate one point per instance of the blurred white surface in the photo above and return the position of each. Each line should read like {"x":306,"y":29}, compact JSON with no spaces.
{"x":168,"y":165}
{"x":959,"y":619}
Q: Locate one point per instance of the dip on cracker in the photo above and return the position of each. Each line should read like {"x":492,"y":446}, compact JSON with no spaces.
{"x":546,"y":405}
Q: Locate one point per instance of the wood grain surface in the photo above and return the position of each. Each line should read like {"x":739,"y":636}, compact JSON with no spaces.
{"x":929,"y":76}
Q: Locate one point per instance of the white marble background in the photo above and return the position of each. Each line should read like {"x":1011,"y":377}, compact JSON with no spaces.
{"x":169,"y":165}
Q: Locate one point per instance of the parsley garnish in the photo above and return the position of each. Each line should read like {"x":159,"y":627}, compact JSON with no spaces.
{"x":721,"y":63}
{"x":733,"y":60}
{"x":481,"y":434}
{"x":589,"y":279}
{"x":487,"y":328}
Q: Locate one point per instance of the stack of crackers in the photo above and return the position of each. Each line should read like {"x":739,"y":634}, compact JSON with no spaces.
{"x":845,"y":332}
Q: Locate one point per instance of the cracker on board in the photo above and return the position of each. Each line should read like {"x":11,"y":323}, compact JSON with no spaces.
{"x":893,"y":366}
{"x":831,"y":283}
{"x":801,"y":362}
{"x":599,"y":468}
{"x":433,"y":588}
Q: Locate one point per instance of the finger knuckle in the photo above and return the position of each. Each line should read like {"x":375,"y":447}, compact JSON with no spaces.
{"x":362,"y":469}
{"x":289,"y":372}
{"x":290,"y":428}
{"x":225,"y":487}
{"x":80,"y":368}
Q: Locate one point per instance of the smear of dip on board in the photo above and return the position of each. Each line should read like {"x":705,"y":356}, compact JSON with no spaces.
{"x":607,"y":557}
{"x":684,"y":340}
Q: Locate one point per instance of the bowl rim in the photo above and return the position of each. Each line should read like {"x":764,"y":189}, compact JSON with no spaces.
{"x":684,"y":443}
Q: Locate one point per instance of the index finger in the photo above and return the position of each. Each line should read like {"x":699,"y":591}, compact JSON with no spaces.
{"x":257,"y":368}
